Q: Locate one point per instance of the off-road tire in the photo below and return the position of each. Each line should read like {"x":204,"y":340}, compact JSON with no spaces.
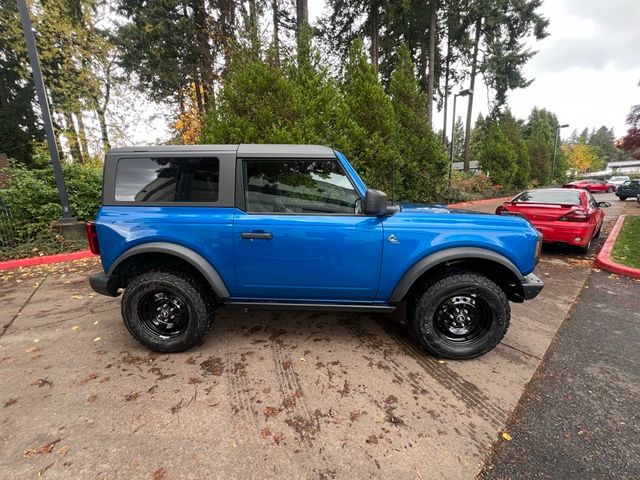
{"x":424,"y":304}
{"x":195,"y":296}
{"x":622,"y":199}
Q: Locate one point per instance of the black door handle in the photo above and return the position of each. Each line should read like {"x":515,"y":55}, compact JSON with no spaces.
{"x":256,"y":235}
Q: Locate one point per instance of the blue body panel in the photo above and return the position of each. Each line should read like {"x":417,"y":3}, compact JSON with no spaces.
{"x":205,"y":230}
{"x":324,"y":258}
{"x":310,"y":257}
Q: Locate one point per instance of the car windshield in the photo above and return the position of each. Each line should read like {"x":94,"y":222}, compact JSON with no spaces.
{"x":565,"y":197}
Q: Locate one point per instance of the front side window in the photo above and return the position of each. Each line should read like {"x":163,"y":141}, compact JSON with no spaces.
{"x":167,"y":179}
{"x":297,"y":186}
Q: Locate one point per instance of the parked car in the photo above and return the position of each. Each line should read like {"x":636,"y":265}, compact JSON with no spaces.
{"x":593,"y":186}
{"x":628,"y":189}
{"x":185,"y":229}
{"x":565,"y":216}
{"x":618,"y":180}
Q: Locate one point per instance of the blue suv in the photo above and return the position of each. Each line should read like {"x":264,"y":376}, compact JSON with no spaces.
{"x":185,"y":229}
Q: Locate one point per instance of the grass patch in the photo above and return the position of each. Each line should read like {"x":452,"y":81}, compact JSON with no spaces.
{"x":627,"y":248}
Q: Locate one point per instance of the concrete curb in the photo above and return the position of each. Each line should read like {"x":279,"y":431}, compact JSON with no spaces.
{"x":603,"y":259}
{"x":480,"y":202}
{"x":30,"y":262}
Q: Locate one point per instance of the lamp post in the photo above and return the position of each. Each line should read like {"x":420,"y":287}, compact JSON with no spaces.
{"x":555,"y":148}
{"x":44,"y":107}
{"x":463,"y":93}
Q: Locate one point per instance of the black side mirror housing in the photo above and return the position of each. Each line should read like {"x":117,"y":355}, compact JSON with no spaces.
{"x":604,"y":204}
{"x":375,"y":202}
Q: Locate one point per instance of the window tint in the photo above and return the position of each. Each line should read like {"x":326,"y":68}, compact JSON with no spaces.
{"x":567,"y":197}
{"x":297,"y":186}
{"x":167,"y":180}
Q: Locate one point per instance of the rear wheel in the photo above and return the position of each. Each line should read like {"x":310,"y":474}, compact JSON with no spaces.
{"x":610,"y":190}
{"x":585,"y":249}
{"x":622,"y":198}
{"x":167,"y":311}
{"x":460,"y":315}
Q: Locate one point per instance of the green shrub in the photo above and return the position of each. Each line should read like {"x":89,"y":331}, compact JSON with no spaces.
{"x":33,"y":196}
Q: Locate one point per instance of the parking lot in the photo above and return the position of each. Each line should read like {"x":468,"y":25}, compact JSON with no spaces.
{"x":297,"y":395}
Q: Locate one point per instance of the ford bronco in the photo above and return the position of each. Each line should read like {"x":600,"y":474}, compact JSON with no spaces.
{"x":185,"y":229}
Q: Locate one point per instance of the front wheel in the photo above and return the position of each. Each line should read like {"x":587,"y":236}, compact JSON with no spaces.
{"x":167,"y":311}
{"x":623,"y":199}
{"x":610,"y":190}
{"x":460,"y":315}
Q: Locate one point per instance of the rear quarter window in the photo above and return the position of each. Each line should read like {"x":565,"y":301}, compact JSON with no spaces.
{"x":167,"y":179}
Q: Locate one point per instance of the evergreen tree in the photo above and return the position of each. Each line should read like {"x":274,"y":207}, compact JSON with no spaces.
{"x":422,"y":161}
{"x":539,"y":134}
{"x":371,"y":145}
{"x":603,"y":141}
{"x":19,"y":124}
{"x":514,"y":131}
{"x":498,"y":156}
{"x":458,"y":135}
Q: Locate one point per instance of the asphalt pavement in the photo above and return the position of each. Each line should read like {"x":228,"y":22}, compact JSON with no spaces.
{"x":579,"y":417}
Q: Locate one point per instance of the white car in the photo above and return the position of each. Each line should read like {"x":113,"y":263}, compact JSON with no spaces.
{"x":619,"y":180}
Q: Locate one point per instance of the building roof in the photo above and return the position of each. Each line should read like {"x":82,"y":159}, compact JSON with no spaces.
{"x":473,"y":165}
{"x":625,"y":163}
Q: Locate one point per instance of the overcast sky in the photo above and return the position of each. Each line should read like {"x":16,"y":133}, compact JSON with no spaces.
{"x":586,"y":71}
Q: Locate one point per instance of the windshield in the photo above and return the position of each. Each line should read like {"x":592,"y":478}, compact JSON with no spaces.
{"x":566,"y":197}
{"x":618,"y":179}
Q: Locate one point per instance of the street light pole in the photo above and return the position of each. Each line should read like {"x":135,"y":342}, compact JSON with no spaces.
{"x":44,"y":107}
{"x":463,"y":93}
{"x":555,"y":148}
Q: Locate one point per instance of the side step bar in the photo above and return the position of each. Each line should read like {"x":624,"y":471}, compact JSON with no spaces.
{"x":326,"y":307}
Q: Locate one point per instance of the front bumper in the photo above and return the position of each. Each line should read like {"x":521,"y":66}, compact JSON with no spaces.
{"x":531,"y":286}
{"x":105,"y":284}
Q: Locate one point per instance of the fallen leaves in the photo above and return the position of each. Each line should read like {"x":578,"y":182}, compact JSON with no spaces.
{"x":506,"y":436}
{"x":41,"y":382}
{"x":130,"y":397}
{"x":46,"y":448}
{"x":159,"y":474}
{"x":88,"y":378}
{"x":11,"y":401}
{"x":177,"y":407}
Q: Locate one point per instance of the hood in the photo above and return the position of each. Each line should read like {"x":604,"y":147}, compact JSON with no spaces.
{"x":442,"y":208}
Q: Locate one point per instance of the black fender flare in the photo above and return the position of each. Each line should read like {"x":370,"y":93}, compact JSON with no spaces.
{"x":444,"y":256}
{"x":195,"y":259}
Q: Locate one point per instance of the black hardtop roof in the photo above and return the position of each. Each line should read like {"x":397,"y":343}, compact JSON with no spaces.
{"x":243,"y":150}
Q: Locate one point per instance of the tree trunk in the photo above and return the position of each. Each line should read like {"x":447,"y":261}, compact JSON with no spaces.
{"x":253,"y":29}
{"x":227,"y":29}
{"x":82,"y":135}
{"x":472,"y":84}
{"x":375,"y":33}
{"x":72,"y":138}
{"x":198,"y":88}
{"x":432,"y":59}
{"x":104,"y":133}
{"x":446,"y":89}
{"x":205,"y":59}
{"x":302,"y":21}
{"x":276,"y":31}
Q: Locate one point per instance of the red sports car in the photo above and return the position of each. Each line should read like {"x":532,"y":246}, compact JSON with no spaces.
{"x":562,"y":216}
{"x":592,"y":186}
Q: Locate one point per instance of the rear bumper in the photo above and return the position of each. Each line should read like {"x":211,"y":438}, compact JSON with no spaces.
{"x":531,"y":286}
{"x":557,"y":232}
{"x":105,"y":284}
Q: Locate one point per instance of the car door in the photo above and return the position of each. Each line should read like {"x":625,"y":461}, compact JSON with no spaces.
{"x":597,"y":214}
{"x":298,"y":236}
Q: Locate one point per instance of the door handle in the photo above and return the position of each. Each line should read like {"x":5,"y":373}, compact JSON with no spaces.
{"x":256,"y":235}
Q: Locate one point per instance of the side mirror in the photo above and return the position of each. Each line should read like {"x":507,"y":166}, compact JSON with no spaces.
{"x":604,"y":204}
{"x":375,"y":203}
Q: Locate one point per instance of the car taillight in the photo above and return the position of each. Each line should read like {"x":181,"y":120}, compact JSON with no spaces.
{"x":92,"y":237}
{"x":575,"y":216}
